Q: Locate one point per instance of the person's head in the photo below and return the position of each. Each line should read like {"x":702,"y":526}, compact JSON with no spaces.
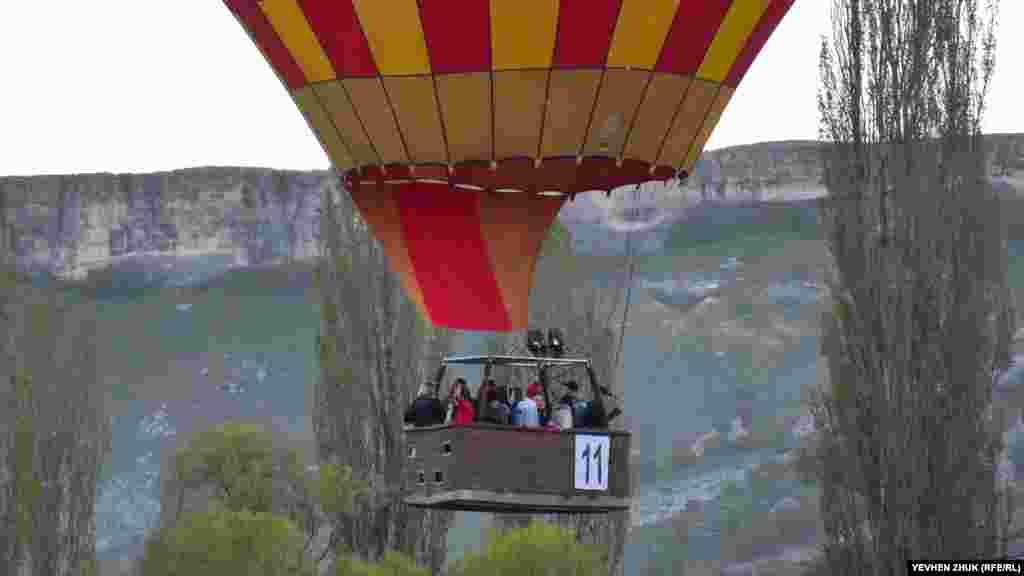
{"x":533,"y":389}
{"x":572,"y":386}
{"x":427,"y":389}
{"x":517,"y":394}
{"x":460,"y":389}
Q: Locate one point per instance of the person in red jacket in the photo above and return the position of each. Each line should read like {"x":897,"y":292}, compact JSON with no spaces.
{"x":461,"y":404}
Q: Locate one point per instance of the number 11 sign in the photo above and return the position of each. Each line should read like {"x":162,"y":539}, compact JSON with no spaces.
{"x":591,"y":467}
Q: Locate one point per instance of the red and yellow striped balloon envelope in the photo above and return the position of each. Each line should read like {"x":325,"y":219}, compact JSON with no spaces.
{"x":464,"y":124}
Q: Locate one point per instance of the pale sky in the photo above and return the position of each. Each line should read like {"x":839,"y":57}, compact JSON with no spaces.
{"x":141,"y":85}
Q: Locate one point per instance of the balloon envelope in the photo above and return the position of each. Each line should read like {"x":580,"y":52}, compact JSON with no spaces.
{"x":463,"y":125}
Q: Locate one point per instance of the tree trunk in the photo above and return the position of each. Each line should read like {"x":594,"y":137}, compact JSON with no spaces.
{"x":374,"y":350}
{"x":54,"y":434}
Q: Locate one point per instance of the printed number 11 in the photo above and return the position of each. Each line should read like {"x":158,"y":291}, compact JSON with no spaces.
{"x":597,"y":460}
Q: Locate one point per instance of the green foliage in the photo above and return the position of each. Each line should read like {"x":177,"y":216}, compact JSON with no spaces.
{"x":327,"y":355}
{"x":687,"y":343}
{"x":840,"y":311}
{"x":766,"y":225}
{"x":558,"y":242}
{"x":393,"y":564}
{"x":27,"y":486}
{"x":343,"y":263}
{"x":8,"y":279}
{"x":744,"y":310}
{"x":39,"y":319}
{"x":240,"y":461}
{"x":735,"y":505}
{"x":222,"y":542}
{"x":492,"y":344}
{"x":88,"y":567}
{"x":336,"y":489}
{"x":237,"y":458}
{"x":769,"y":430}
{"x":540,"y":549}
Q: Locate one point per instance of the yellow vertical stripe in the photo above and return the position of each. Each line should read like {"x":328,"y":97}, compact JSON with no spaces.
{"x":731,"y":38}
{"x":395,"y":35}
{"x":522,"y":33}
{"x":640,"y":32}
{"x":714,"y":115}
{"x":290,"y":23}
{"x":320,"y":121}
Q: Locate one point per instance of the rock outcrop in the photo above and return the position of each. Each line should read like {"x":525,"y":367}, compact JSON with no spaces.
{"x":72,"y":223}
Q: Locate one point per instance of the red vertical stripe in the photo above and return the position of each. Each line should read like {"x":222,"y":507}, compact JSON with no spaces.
{"x":265,"y":36}
{"x":441,"y":231}
{"x":692,"y":31}
{"x":458,"y":35}
{"x":769,"y":20}
{"x":585,"y":29}
{"x":337,"y":26}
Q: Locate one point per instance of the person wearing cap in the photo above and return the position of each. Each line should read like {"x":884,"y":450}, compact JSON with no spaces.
{"x":526,"y":413}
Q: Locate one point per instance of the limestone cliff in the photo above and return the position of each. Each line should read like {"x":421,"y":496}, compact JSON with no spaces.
{"x":70,"y":224}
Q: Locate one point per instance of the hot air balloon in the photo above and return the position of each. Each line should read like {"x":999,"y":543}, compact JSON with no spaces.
{"x":464,"y":125}
{"x":461,"y":128}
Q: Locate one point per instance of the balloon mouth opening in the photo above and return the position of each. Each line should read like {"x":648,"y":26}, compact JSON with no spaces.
{"x":554,"y":177}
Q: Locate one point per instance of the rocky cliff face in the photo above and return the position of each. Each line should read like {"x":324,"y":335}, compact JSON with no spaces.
{"x":70,"y":224}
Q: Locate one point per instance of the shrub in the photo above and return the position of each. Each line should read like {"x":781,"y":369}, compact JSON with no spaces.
{"x":540,"y":549}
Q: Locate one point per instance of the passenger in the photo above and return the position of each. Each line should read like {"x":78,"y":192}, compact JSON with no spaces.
{"x":533,"y":389}
{"x":598,"y":417}
{"x":505,"y":398}
{"x":535,"y":392}
{"x":525,"y":413}
{"x":580,"y":408}
{"x":461,"y":406}
{"x":498,"y":410}
{"x":514,"y":400}
{"x":483,"y":399}
{"x":581,"y":414}
{"x":561,"y":418}
{"x":426,"y":409}
{"x":553,"y":425}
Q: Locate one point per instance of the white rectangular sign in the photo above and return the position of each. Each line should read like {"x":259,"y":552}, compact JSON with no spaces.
{"x":591,"y":462}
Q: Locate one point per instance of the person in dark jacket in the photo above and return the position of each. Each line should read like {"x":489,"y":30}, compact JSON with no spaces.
{"x":426,"y":409}
{"x":579,"y":407}
{"x":485,"y":394}
{"x":497,"y":410}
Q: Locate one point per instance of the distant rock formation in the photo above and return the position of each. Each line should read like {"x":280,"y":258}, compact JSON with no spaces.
{"x":71,"y":223}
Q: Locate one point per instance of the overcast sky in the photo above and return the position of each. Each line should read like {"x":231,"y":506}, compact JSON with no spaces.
{"x":142,"y":85}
